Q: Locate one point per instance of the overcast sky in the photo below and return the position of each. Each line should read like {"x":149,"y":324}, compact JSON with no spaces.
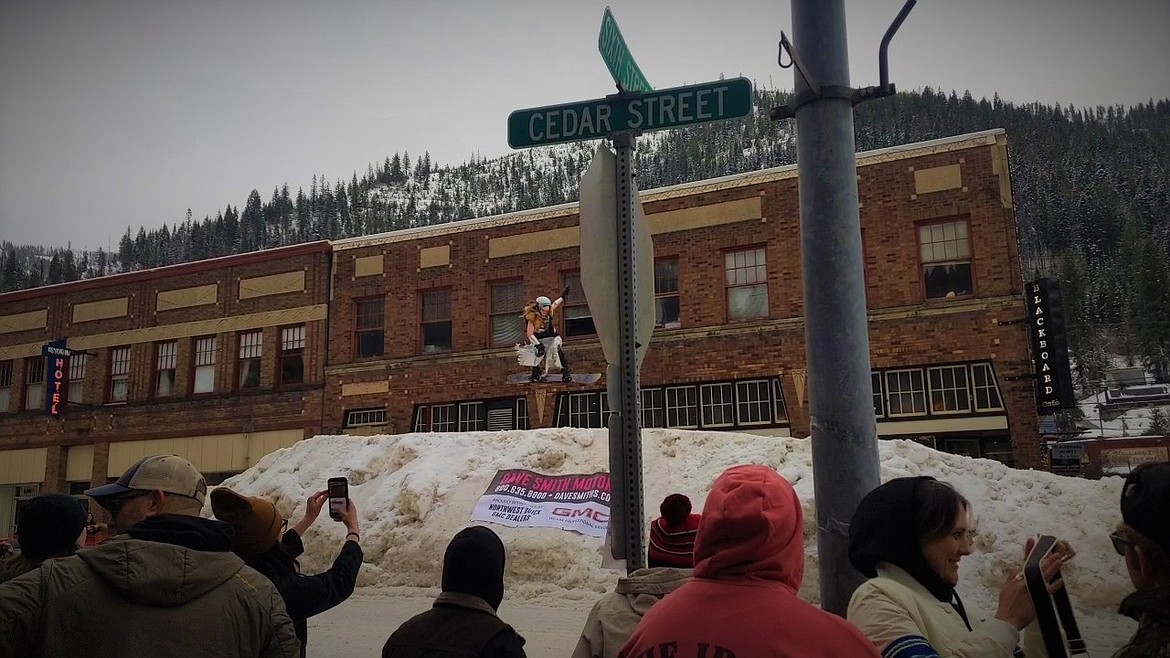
{"x":129,"y":112}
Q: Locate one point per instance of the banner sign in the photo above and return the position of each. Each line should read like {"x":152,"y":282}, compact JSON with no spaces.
{"x":1049,"y":348}
{"x":56,"y":377}
{"x":524,"y":499}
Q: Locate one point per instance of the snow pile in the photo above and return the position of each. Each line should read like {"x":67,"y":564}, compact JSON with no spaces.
{"x":415,"y":491}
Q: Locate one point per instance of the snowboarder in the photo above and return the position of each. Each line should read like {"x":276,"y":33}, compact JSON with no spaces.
{"x":543,"y":349}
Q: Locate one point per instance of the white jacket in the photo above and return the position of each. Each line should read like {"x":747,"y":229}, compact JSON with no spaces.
{"x":895,"y":606}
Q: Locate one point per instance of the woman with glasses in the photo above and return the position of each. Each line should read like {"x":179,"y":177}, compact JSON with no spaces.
{"x":261,"y":537}
{"x":908,"y":537}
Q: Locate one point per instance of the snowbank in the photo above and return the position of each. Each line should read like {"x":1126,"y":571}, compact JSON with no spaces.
{"x":414,"y":491}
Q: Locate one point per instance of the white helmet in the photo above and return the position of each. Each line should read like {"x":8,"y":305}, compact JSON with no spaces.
{"x":543,"y":301}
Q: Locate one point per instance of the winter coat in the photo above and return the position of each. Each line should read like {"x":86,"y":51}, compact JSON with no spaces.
{"x":170,"y":587}
{"x":1151,"y":609}
{"x":15,"y":564}
{"x":463,"y":621}
{"x":305,"y":596}
{"x":900,"y":616}
{"x":673,"y":546}
{"x":749,"y":564}
{"x":614,"y":617}
{"x":457,"y":626}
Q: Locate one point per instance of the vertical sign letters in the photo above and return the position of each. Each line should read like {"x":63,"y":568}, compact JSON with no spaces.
{"x":1049,"y":348}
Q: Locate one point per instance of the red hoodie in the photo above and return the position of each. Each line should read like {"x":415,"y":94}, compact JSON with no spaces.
{"x":749,"y":563}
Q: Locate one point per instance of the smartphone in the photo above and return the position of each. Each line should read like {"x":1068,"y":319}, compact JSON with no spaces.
{"x":338,"y":497}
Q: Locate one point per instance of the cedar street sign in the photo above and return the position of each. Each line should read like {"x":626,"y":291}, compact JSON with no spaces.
{"x":656,"y":110}
{"x":618,"y":57}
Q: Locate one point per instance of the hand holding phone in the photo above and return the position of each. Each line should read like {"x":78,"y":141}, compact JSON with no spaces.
{"x":338,"y":497}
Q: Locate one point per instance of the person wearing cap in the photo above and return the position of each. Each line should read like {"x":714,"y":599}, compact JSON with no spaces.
{"x":672,"y":535}
{"x":907,"y":536}
{"x":50,"y":525}
{"x":1143,"y":538}
{"x":463,"y":619}
{"x":260,"y":538}
{"x":543,"y":344}
{"x":742,"y":600}
{"x":616,"y":615}
{"x":167,"y":585}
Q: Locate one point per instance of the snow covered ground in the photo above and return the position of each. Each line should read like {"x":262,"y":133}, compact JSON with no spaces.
{"x":415,"y":491}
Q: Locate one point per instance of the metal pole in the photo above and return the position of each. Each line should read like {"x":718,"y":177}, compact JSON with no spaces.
{"x":630,"y":454}
{"x":841,"y":415}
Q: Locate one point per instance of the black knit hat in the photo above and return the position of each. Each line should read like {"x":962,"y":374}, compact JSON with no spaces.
{"x":1145,"y":502}
{"x":49,"y":526}
{"x":474,"y":564}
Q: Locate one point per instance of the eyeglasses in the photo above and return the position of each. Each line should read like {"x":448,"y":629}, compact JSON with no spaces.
{"x":284,"y":525}
{"x":114,"y":504}
{"x":1119,"y":542}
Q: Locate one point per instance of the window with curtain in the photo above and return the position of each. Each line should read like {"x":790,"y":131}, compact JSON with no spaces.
{"x":251,"y":354}
{"x":119,"y":390}
{"x":204,"y":374}
{"x":945,"y":252}
{"x":746,"y":279}
{"x":166,"y":355}
{"x":506,"y":305}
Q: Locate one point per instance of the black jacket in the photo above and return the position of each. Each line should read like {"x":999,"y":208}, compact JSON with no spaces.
{"x":305,"y":596}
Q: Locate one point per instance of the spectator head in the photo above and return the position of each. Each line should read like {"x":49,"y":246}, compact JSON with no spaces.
{"x":50,"y":525}
{"x":910,"y":523}
{"x":474,"y":564}
{"x":675,"y":509}
{"x":256,"y":523}
{"x":1144,"y":535}
{"x":752,"y":523}
{"x":162,"y":484}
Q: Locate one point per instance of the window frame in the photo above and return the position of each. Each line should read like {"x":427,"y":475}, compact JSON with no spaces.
{"x":34,"y":402}
{"x":77,"y":364}
{"x":764,"y":403}
{"x":291,"y":351}
{"x":688,"y":407}
{"x":369,"y":417}
{"x":244,"y":362}
{"x":576,"y":325}
{"x":732,"y":282}
{"x":991,"y":385}
{"x":119,"y":371}
{"x":360,"y":331}
{"x":663,"y":296}
{"x":6,"y":368}
{"x":199,"y":362}
{"x":961,"y":394}
{"x":912,"y":392}
{"x":724,"y":406}
{"x":435,"y":322}
{"x":945,"y":261}
{"x":511,"y":315}
{"x":166,"y":360}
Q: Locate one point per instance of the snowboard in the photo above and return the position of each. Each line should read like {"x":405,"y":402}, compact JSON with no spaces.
{"x":555,"y":378}
{"x":1054,"y":612}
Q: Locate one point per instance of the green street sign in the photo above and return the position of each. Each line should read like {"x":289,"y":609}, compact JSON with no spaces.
{"x":617,"y":56}
{"x":656,"y":110}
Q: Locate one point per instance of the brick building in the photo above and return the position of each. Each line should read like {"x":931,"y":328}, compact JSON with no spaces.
{"x":220,"y":361}
{"x":423,"y":321}
{"x":225,"y":360}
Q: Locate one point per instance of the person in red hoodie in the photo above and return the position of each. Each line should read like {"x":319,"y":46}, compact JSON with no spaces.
{"x":749,"y":563}
{"x":672,"y":535}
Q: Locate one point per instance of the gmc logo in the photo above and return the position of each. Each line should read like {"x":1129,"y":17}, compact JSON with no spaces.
{"x":572,"y":513}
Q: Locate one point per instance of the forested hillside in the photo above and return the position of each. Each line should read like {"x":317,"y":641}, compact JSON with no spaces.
{"x":1092,"y":193}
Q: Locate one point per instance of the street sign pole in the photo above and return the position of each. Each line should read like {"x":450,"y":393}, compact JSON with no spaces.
{"x":844,"y":432}
{"x":629,"y":450}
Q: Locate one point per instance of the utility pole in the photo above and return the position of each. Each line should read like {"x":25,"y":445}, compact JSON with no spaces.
{"x":841,"y":415}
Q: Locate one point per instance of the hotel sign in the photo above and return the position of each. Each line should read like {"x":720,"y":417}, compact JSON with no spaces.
{"x":56,"y":377}
{"x":1049,"y":348}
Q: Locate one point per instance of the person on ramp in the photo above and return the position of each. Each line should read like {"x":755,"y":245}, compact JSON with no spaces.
{"x":542,"y":336}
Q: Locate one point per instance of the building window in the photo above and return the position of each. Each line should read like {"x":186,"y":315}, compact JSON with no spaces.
{"x":204,"y":375}
{"x":34,"y":382}
{"x":653,"y":408}
{"x":119,"y":374}
{"x":292,"y":355}
{"x":584,"y":410}
{"x":666,"y":297}
{"x":905,"y":393}
{"x":578,"y":317}
{"x":753,"y":403}
{"x":718,"y":405}
{"x":747,"y":284}
{"x":471,"y":417}
{"x":948,"y":390}
{"x":778,"y":409}
{"x":682,"y":406}
{"x":364,"y":417}
{"x":165,"y":355}
{"x":436,"y":321}
{"x":77,"y":363}
{"x":946,"y":260}
{"x":443,"y":418}
{"x":876,"y":381}
{"x":5,"y":385}
{"x":369,"y":329}
{"x":986,"y":392}
{"x":251,"y":351}
{"x":507,"y":321}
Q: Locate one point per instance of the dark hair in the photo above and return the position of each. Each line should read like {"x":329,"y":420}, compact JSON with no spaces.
{"x":937,"y":506}
{"x":275,"y":561}
{"x":675,"y":508}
